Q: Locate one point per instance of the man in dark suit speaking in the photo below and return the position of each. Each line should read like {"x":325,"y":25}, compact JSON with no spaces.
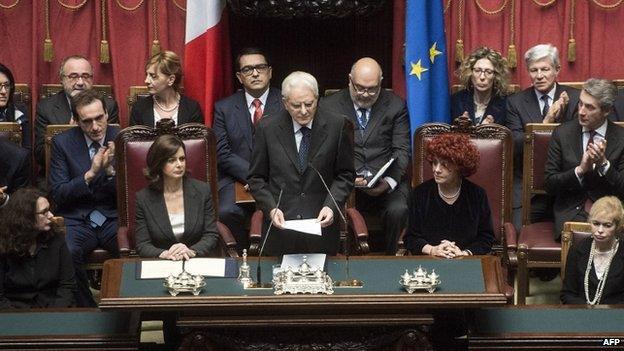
{"x":288,"y":147}
{"x":382,"y":133}
{"x":586,"y":156}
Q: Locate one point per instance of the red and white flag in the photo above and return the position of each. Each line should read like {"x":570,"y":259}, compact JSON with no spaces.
{"x":207,"y":66}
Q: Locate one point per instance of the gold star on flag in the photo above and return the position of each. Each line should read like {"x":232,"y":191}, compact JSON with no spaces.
{"x":433,"y":52}
{"x":417,"y":69}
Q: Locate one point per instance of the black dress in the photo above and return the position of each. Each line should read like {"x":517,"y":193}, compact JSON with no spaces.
{"x":463,"y":101}
{"x":43,"y":280}
{"x":573,"y":290}
{"x":467,"y":222}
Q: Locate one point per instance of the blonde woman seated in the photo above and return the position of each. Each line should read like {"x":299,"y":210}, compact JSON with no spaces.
{"x":449,"y":216}
{"x":174,"y":214}
{"x":595,"y":267}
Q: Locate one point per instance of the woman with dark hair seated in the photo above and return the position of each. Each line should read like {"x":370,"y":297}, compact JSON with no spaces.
{"x":449,"y":216}
{"x":594,"y":271}
{"x":10,"y":111}
{"x":174,"y":214}
{"x":36,"y":269}
{"x":163,"y":77}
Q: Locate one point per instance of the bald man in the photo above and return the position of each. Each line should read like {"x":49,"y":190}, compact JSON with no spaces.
{"x":381,"y":133}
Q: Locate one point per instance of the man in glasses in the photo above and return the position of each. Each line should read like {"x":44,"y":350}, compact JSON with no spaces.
{"x":76,"y":75}
{"x":235,"y":118}
{"x":381,"y":133}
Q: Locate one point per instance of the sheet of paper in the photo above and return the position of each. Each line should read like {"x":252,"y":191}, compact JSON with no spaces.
{"x":307,"y":226}
{"x":208,"y":267}
{"x":160,"y":269}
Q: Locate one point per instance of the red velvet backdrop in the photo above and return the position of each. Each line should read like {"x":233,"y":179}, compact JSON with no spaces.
{"x":328,"y":52}
{"x":597,"y":32}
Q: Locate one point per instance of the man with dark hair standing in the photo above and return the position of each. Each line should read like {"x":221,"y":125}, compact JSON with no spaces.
{"x":289,"y":149}
{"x":76,"y":75}
{"x":235,"y":119}
{"x":382,"y":133}
{"x":586,"y":156}
{"x":82,"y":183}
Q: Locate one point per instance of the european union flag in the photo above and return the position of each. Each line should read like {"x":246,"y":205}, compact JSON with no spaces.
{"x":426,"y":76}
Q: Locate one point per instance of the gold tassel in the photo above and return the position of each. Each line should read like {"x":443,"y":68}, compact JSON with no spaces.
{"x":48,"y":50}
{"x":459,"y":51}
{"x":571,"y":50}
{"x":155,"y":47}
{"x":512,"y":56}
{"x":104,"y":52}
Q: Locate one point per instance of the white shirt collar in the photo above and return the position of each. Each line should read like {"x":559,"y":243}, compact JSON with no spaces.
{"x":250,"y":99}
{"x":602,"y":130}
{"x":551,"y":93}
{"x":90,"y":141}
{"x":297,"y":126}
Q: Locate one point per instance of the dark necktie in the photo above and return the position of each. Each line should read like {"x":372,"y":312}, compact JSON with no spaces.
{"x":258,"y":111}
{"x":546,"y":105}
{"x":93,"y":149}
{"x":592,"y":134}
{"x":362,"y":120}
{"x":304,"y":147}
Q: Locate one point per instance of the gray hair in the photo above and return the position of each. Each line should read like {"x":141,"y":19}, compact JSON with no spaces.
{"x":602,"y":89}
{"x":299,"y":79}
{"x":541,"y":51}
{"x":72,"y":57}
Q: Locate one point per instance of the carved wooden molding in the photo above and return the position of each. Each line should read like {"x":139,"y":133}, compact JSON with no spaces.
{"x":309,"y":8}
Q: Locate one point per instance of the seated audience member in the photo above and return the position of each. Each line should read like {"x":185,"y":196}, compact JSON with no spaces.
{"x":546,"y":101}
{"x":449,"y":216}
{"x":36,"y":269}
{"x":235,"y":120}
{"x":484,"y":75}
{"x":586,"y":156}
{"x":14,"y":169}
{"x":82,"y":184}
{"x":174,"y":214}
{"x":595,"y":266}
{"x":10,"y":111}
{"x":289,"y":149}
{"x":76,"y":75}
{"x":382,"y":133}
{"x":163,"y":77}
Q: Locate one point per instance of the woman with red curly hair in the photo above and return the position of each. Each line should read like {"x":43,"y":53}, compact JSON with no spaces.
{"x":449,"y":216}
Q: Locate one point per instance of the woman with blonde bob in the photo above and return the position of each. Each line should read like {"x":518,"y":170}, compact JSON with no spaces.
{"x":449,"y":216}
{"x":595,"y":267}
{"x":163,"y":77}
{"x":484,"y":75}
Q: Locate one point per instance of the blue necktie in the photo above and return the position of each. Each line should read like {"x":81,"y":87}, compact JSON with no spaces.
{"x":93,"y":149}
{"x":304,"y":147}
{"x":362,"y":120}
{"x":546,"y":105}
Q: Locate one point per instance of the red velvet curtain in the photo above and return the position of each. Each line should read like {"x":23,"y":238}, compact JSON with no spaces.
{"x":597,"y":32}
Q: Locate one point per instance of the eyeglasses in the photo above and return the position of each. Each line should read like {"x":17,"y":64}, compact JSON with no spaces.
{"x":248,"y":70}
{"x":362,"y":91}
{"x":478,"y":71}
{"x":6,"y":86}
{"x":76,"y":76}
{"x":43,"y":212}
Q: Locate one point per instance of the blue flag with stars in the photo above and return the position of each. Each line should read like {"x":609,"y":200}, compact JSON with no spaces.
{"x":426,"y":73}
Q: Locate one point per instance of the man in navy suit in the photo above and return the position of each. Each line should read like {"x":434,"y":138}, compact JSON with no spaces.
{"x":234,"y":125}
{"x":82,"y":183}
{"x":14,"y":169}
{"x":546,"y":101}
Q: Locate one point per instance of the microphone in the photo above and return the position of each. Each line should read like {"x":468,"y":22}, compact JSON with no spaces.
{"x":266,"y":235}
{"x":347,"y":281}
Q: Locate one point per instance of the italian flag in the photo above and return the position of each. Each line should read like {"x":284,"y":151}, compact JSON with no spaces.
{"x":207,"y":66}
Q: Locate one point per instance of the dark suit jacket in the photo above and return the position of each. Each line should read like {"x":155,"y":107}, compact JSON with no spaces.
{"x":618,"y":108}
{"x":234,"y":130}
{"x":69,"y":162}
{"x":45,"y":280}
{"x":274,"y":167}
{"x":56,"y":110}
{"x":8,"y":115}
{"x":523,"y":108}
{"x":14,"y":166}
{"x":463,"y":100}
{"x":142,"y":112}
{"x":573,"y":291}
{"x":387,"y":134}
{"x":564,"y":154}
{"x":153,"y":228}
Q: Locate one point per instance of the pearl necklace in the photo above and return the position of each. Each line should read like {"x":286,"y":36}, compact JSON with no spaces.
{"x":170,"y":109}
{"x":602,"y":280}
{"x":449,"y":197}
